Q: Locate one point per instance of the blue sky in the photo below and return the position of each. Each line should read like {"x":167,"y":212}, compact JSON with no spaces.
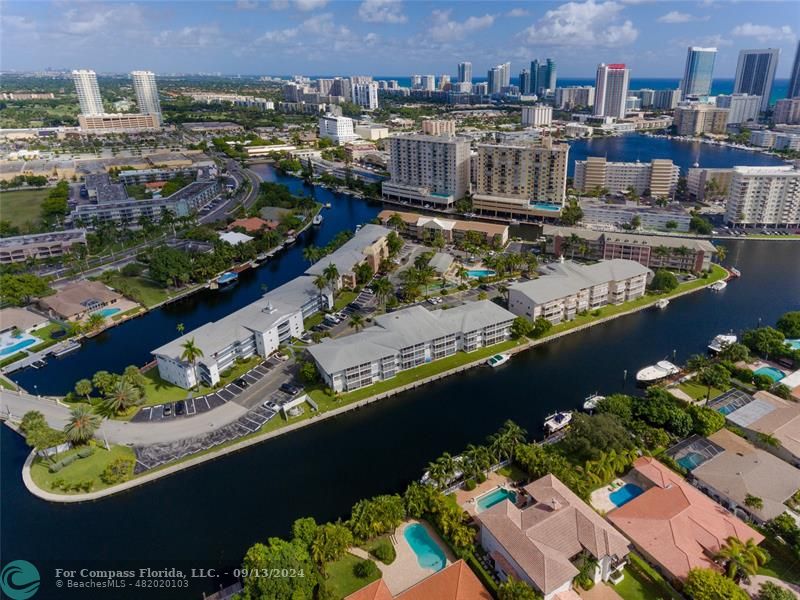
{"x":387,"y":37}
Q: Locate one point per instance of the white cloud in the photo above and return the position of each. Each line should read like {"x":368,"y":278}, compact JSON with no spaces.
{"x":279,"y":4}
{"x":582,"y":24}
{"x":445,"y":30}
{"x":675,"y":16}
{"x":16,"y":22}
{"x":382,"y":11}
{"x":371,"y":39}
{"x":309,"y":5}
{"x":517,"y":12}
{"x":707,"y":41}
{"x":246,"y":4}
{"x":764,"y":33}
{"x":319,"y":30}
{"x":201,"y":36}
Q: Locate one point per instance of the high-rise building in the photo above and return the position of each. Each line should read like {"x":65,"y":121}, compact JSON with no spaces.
{"x":324,"y":86}
{"x":787,"y":111}
{"x":88,"y":92}
{"x":700,"y":118}
{"x":444,"y":82}
{"x":760,"y":196}
{"x":439,"y":127}
{"x":427,"y":169}
{"x":341,"y":87}
{"x":525,"y":82}
{"x":666,"y":99}
{"x":573,"y":96}
{"x":794,"y":81}
{"x":660,"y":176}
{"x":698,"y":72}
{"x":755,"y":73}
{"x":540,"y":115}
{"x":743,"y":107}
{"x":499,"y":78}
{"x":416,"y":82}
{"x":543,"y":76}
{"x":366,"y":95}
{"x":645,"y":96}
{"x":611,"y":93}
{"x":428,"y":83}
{"x":337,"y":129}
{"x":465,"y":72}
{"x":144,"y":84}
{"x":521,"y":180}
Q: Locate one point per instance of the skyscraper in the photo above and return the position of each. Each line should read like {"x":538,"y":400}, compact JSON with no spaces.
{"x":144,"y":84}
{"x":535,"y":76}
{"x":525,"y":82}
{"x":465,"y":72}
{"x":794,"y":82}
{"x":611,"y":90}
{"x":543,"y":76}
{"x":428,"y":82}
{"x":755,"y":73}
{"x":88,"y":92}
{"x":366,"y":95}
{"x":698,"y":72}
{"x":549,"y":79}
{"x":499,"y":77}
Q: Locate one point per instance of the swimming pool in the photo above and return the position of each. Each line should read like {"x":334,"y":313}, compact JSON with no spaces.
{"x":793,"y":344}
{"x":106,"y":312}
{"x":477,"y":273}
{"x":692,"y":460}
{"x":495,"y":497}
{"x":18,"y":346}
{"x":726,"y":409}
{"x":771,"y":372}
{"x":625,"y":494}
{"x":429,"y":554}
{"x":544,"y":206}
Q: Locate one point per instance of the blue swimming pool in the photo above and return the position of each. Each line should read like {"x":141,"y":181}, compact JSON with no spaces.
{"x":106,"y":312}
{"x":692,"y":460}
{"x":771,"y":372}
{"x":495,"y":497}
{"x":18,"y":346}
{"x":477,"y":273}
{"x":793,"y":344}
{"x":625,"y":494}
{"x":726,"y":409}
{"x":429,"y":554}
{"x":544,"y":206}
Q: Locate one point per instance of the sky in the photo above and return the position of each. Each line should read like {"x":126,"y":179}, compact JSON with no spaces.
{"x":387,"y":37}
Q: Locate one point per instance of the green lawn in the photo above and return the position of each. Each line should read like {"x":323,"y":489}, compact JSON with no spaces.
{"x":343,"y":298}
{"x":341,"y":578}
{"x":23,"y":206}
{"x":13,"y":358}
{"x":698,"y":391}
{"x":642,"y":582}
{"x":6,"y":384}
{"x":513,"y":472}
{"x":46,"y":335}
{"x":782,"y":564}
{"x":81,"y":470}
{"x":145,"y":291}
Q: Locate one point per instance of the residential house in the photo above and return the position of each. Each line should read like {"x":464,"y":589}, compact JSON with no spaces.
{"x":77,"y":300}
{"x":424,"y":228}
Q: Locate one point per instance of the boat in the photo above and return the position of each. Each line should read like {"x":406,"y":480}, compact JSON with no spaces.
{"x":498,"y":359}
{"x":718,"y":286}
{"x":317,"y":220}
{"x":591,"y":401}
{"x":38,"y":364}
{"x":719,"y":342}
{"x":290,"y":239}
{"x":328,"y":205}
{"x":71,"y":347}
{"x":660,"y":370}
{"x":735,"y":272}
{"x":662,"y":303}
{"x":358,"y":228}
{"x":557,"y":421}
{"x":227,"y":279}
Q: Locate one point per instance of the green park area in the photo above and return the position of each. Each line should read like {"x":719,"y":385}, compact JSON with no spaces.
{"x":23,"y":206}
{"x":342,"y":579}
{"x":642,"y":582}
{"x":84,"y":474}
{"x":698,"y":391}
{"x":144,"y":291}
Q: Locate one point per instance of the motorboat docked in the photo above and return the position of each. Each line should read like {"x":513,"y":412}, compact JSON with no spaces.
{"x":227,"y":279}
{"x":662,"y":303}
{"x":317,"y":220}
{"x":328,"y":205}
{"x":718,"y":286}
{"x":735,"y":272}
{"x":358,"y":227}
{"x":719,"y":342}
{"x":592,"y":401}
{"x":290,"y":239}
{"x":660,"y":370}
{"x":71,"y":347}
{"x":498,"y":359}
{"x":557,"y":421}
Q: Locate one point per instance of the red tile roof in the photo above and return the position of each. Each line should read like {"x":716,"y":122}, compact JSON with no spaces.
{"x":456,"y":582}
{"x":676,"y":524}
{"x":252,"y":224}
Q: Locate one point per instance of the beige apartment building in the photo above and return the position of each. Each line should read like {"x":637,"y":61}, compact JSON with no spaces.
{"x":700,"y":118}
{"x":438,"y":127}
{"x":764,"y":196}
{"x":131,"y":122}
{"x":517,"y":180}
{"x":660,"y":176}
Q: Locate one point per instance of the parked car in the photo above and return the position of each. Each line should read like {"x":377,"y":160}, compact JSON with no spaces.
{"x":167,"y":410}
{"x":180,"y":408}
{"x":242,"y":382}
{"x":290,"y":388}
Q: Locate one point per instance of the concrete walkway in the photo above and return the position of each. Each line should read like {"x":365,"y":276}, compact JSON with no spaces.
{"x":756,"y":581}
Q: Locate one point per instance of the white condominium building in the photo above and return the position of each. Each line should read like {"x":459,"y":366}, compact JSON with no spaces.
{"x":88,"y":92}
{"x":144,"y":84}
{"x":521,"y":180}
{"x":611,"y":85}
{"x":406,"y":339}
{"x":337,"y":129}
{"x":427,"y":169}
{"x":366,"y":95}
{"x":764,"y":196}
{"x":566,"y":289}
{"x":742,"y":107}
{"x":540,"y":115}
{"x":428,"y":83}
{"x":660,"y":176}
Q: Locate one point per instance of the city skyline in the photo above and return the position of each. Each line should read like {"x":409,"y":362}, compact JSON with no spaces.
{"x":388,"y":37}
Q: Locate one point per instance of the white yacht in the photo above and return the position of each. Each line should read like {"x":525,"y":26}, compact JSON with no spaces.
{"x":591,"y":402}
{"x":660,"y":370}
{"x":662,"y":303}
{"x":498,"y":359}
{"x":719,"y":342}
{"x":557,"y":421}
{"x":317,"y":220}
{"x":718,"y":286}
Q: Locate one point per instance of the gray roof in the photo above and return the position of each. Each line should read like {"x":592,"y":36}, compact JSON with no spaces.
{"x":441,"y":261}
{"x":567,"y":278}
{"x":351,"y":252}
{"x":629,"y":238}
{"x":403,"y":328}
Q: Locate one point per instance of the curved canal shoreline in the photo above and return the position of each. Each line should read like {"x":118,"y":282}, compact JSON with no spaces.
{"x":258,"y":438}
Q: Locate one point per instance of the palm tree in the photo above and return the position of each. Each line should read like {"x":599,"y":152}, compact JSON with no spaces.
{"x":320,"y":283}
{"x":441,"y":470}
{"x":123,"y":396}
{"x":81,"y":425}
{"x":383,"y":289}
{"x":95,"y":321}
{"x":587,"y":474}
{"x":396,"y":222}
{"x":741,"y":559}
{"x":180,"y":328}
{"x":83,"y":387}
{"x":311,"y":254}
{"x":331,"y":274}
{"x":722,"y":252}
{"x":357,"y":322}
{"x":662,"y":252}
{"x":191,"y":352}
